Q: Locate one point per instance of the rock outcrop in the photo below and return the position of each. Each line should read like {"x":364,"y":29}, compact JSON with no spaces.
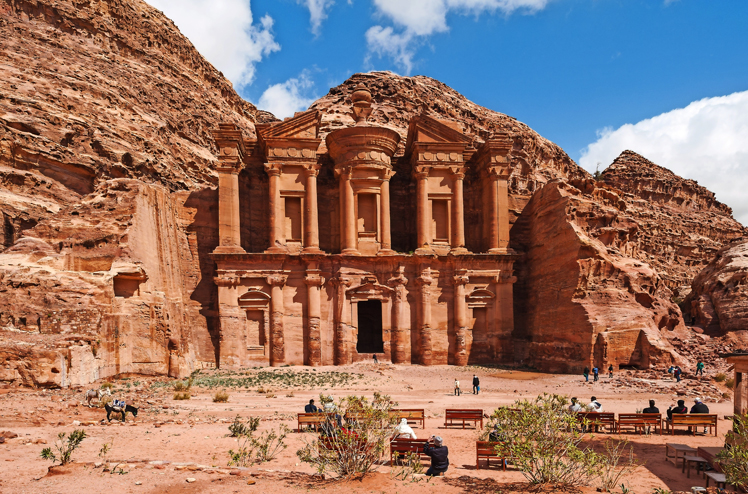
{"x":580,"y":297}
{"x":718,"y":301}
{"x":681,"y":224}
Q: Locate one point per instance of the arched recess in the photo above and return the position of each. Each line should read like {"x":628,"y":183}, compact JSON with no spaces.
{"x":257,"y":307}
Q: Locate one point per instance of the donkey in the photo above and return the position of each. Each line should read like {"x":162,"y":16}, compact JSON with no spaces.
{"x":96,"y":393}
{"x":128,"y":408}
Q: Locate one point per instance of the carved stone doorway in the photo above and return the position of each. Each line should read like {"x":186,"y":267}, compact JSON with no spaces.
{"x":370,"y":327}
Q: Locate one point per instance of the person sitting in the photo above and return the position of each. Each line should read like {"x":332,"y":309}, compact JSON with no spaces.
{"x":594,"y":406}
{"x":681,"y":408}
{"x":404,"y":431}
{"x":311,"y":407}
{"x":699,"y":406}
{"x":575,"y":406}
{"x":439,"y":455}
{"x":651,"y":408}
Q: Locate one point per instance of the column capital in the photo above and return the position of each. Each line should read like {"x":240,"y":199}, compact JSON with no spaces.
{"x":421,"y":172}
{"x":387,"y":174}
{"x":398,"y":278}
{"x":425,"y":279}
{"x":311,"y":169}
{"x":461,"y":277}
{"x":342,"y":281}
{"x":273,"y":169}
{"x":314,"y":279}
{"x":498,"y":171}
{"x":458,"y":172}
{"x":277,"y":279}
{"x":342,"y":172}
{"x":227,"y":279}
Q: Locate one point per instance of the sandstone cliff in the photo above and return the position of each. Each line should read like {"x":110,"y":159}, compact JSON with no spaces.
{"x":681,"y":225}
{"x":580,"y":297}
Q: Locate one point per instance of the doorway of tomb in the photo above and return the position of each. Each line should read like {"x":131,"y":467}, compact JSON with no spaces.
{"x":370,"y":327}
{"x":255,"y":327}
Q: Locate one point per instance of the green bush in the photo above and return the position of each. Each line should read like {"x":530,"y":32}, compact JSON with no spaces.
{"x":730,"y":383}
{"x":734,"y":460}
{"x":720,"y":377}
{"x":239,"y":428}
{"x":253,"y":448}
{"x":65,"y":445}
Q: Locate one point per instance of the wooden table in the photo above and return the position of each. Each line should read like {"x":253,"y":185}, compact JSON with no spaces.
{"x":679,"y":451}
{"x":697,"y":460}
{"x":718,"y":478}
{"x":710,"y":455}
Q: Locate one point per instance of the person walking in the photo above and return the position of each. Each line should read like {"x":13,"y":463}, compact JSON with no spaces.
{"x":610,"y":371}
{"x":457,"y":388}
{"x":677,"y":372}
{"x":586,"y":374}
{"x":476,"y":385}
{"x":374,"y":355}
{"x":596,"y":374}
{"x":700,"y":368}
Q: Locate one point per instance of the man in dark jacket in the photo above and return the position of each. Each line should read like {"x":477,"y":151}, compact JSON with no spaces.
{"x":439,"y":456}
{"x":311,"y":407}
{"x":476,"y":385}
{"x":699,"y":406}
{"x":681,"y":408}
{"x":652,"y":408}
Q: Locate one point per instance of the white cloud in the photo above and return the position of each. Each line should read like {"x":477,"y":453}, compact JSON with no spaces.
{"x":286,"y":98}
{"x":225,"y":33}
{"x":705,"y":141}
{"x":317,"y":12}
{"x":418,"y":19}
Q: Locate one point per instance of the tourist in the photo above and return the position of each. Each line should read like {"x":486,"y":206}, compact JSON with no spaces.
{"x":457,"y":388}
{"x":575,"y":406}
{"x":594,"y":406}
{"x":610,"y":371}
{"x":586,"y":374}
{"x":699,"y":407}
{"x":374,"y":356}
{"x":677,"y":372}
{"x":439,"y":455}
{"x":476,"y":385}
{"x":596,"y":374}
{"x":404,"y":431}
{"x":651,"y":408}
{"x":311,"y":407}
{"x":700,"y":368}
{"x":681,"y":408}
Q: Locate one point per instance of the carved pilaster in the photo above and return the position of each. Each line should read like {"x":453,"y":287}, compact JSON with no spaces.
{"x":462,"y":332}
{"x":314,"y":281}
{"x":311,"y":221}
{"x":277,"y":337}
{"x":400,"y":330}
{"x":342,"y":346}
{"x":424,"y":283}
{"x":277,"y":239}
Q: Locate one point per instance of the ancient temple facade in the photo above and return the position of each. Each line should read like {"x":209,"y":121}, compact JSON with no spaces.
{"x":335,"y":250}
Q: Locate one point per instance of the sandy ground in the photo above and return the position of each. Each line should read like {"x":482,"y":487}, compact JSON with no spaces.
{"x":195,"y":432}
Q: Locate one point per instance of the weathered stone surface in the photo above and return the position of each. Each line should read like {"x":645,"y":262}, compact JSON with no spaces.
{"x":718,"y":301}
{"x":681,"y":224}
{"x":581,"y":298}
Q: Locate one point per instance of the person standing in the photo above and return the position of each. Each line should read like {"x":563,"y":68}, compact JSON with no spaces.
{"x":457,"y":388}
{"x":586,"y":374}
{"x":596,"y":374}
{"x":439,"y":455}
{"x":610,"y":371}
{"x":476,"y":385}
{"x":700,"y":368}
{"x":677,"y":373}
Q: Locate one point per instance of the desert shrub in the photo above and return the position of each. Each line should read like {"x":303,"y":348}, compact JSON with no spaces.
{"x":614,"y":463}
{"x":408,"y":468}
{"x":733,"y":460}
{"x":545,"y":441}
{"x":730,"y":382}
{"x":239,"y":428}
{"x":65,"y":445}
{"x":183,"y":395}
{"x":356,"y":449}
{"x":108,"y":386}
{"x":253,"y":448}
{"x":720,"y":377}
{"x":221,"y":397}
{"x":269,"y":394}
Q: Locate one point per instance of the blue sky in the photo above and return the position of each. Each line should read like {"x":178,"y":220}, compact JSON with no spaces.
{"x":668,"y":79}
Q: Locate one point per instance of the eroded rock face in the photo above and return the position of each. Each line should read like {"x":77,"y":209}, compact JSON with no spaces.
{"x":581,"y":297}
{"x":719,"y":298}
{"x":681,"y":225}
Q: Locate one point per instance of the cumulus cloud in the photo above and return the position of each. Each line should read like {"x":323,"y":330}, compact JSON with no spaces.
{"x":418,"y":19}
{"x":286,"y":98}
{"x":705,"y":141}
{"x":317,"y":12}
{"x":224,"y":32}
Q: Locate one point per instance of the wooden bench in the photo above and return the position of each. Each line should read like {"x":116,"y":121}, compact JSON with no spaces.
{"x":411,"y":414}
{"x":692,"y":421}
{"x":718,"y":478}
{"x":597,"y":419}
{"x":314,"y":420}
{"x":487,"y":450}
{"x":639,"y":421}
{"x":405,"y":446}
{"x":473,"y":415}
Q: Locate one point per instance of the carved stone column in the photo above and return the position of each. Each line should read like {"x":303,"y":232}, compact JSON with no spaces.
{"x":493,"y":211}
{"x":313,"y":282}
{"x":458,"y":211}
{"x":424,"y":283}
{"x":423,"y":236}
{"x":462,"y":335}
{"x":276,"y":209}
{"x":230,"y":160}
{"x":232,"y":344}
{"x":277,"y":339}
{"x":400,"y":328}
{"x":311,"y":221}
{"x":386,"y":246}
{"x":349,"y":215}
{"x":342,"y":352}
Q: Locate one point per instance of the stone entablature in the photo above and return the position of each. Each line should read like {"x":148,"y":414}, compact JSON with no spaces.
{"x":294,"y":303}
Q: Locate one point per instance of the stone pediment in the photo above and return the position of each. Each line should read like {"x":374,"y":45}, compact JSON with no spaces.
{"x":302,"y":126}
{"x":369,"y":291}
{"x":425,"y":131}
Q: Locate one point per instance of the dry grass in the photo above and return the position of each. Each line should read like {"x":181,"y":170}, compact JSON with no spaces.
{"x":220,"y":397}
{"x":182,"y":395}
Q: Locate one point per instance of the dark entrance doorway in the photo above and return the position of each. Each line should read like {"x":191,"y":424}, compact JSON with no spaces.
{"x":370,"y":327}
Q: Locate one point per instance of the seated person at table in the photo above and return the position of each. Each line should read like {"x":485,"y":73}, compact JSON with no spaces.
{"x":681,"y":408}
{"x":311,"y":407}
{"x":652,"y":408}
{"x":439,"y":456}
{"x":404,"y":431}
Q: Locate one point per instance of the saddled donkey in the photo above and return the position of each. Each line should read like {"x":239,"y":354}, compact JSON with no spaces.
{"x":128,"y":408}
{"x":96,"y":393}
